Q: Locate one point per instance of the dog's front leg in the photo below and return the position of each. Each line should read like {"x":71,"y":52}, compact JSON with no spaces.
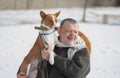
{"x":24,"y":65}
{"x":51,"y":56}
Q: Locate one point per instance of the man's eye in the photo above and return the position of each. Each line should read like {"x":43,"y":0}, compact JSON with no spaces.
{"x":67,"y":31}
{"x":75,"y":32}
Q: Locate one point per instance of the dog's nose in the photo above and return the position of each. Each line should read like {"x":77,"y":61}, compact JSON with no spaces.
{"x":55,"y":28}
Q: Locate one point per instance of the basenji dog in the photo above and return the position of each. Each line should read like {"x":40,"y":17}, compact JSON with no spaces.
{"x":46,"y":39}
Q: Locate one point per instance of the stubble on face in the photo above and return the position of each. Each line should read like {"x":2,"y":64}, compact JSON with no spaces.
{"x":69,"y":33}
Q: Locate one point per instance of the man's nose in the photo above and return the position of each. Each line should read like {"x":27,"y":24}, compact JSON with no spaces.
{"x":72,"y":33}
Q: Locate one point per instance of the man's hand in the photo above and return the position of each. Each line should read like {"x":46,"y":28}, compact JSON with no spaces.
{"x":45,"y":54}
{"x":22,"y":75}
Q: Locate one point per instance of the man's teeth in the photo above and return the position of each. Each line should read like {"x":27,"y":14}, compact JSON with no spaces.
{"x":70,"y":38}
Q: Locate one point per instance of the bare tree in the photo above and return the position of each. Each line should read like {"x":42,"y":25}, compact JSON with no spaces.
{"x":84,"y":11}
{"x":27,"y":4}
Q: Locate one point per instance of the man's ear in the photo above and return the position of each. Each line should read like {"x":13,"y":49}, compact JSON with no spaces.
{"x":57,"y":14}
{"x":58,"y":30}
{"x":42,"y":14}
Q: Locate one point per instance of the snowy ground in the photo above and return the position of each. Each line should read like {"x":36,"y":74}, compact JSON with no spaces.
{"x":17,"y":35}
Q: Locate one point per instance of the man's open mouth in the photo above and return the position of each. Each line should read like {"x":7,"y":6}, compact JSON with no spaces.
{"x":71,"y":38}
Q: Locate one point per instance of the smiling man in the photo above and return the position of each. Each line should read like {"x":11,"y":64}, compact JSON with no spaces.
{"x":68,"y":31}
{"x":70,"y":61}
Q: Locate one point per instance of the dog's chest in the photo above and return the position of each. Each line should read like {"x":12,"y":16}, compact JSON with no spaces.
{"x":49,"y":39}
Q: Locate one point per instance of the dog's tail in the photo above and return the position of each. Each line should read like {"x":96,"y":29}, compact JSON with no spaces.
{"x":87,"y":42}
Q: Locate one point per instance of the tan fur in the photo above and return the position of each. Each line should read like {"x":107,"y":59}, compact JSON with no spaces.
{"x":87,"y":42}
{"x":35,"y":52}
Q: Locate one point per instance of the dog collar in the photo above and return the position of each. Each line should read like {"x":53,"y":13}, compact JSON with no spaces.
{"x":47,"y":33}
{"x":44,"y":30}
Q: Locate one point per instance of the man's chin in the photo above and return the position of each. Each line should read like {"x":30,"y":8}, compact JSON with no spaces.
{"x":70,"y":43}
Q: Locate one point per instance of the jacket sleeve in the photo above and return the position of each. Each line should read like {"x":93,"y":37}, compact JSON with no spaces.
{"x":78,"y":67}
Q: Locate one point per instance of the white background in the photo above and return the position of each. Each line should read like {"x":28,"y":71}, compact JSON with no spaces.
{"x":17,"y":36}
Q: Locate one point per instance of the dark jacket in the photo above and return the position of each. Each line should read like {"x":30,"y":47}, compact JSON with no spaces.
{"x":78,"y":67}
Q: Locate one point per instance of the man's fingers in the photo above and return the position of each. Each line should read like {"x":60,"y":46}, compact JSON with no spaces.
{"x":22,"y":75}
{"x":45,"y":55}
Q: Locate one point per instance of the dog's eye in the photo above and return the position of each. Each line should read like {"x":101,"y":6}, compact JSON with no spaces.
{"x":50,"y":21}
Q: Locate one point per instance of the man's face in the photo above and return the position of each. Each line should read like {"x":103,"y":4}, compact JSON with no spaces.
{"x":68,"y":33}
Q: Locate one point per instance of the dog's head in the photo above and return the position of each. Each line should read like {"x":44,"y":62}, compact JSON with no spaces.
{"x":48,"y":20}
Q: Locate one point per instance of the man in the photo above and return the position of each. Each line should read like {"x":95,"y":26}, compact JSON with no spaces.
{"x":70,"y":61}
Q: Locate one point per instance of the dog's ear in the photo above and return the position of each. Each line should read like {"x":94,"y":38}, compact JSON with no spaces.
{"x":57,"y":14}
{"x":42,"y":14}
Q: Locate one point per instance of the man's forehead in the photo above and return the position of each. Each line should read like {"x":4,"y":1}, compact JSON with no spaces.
{"x":70,"y":27}
{"x":68,"y":24}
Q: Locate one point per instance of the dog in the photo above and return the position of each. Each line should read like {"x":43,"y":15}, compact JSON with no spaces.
{"x":47,"y":27}
{"x":45,"y":39}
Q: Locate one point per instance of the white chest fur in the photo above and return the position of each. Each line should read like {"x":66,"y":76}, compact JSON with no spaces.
{"x":49,"y":38}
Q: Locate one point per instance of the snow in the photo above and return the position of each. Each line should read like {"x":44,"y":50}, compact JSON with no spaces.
{"x":17,"y":36}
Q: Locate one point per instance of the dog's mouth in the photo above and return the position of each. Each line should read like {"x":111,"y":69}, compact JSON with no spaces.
{"x":41,"y":28}
{"x":44,"y":28}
